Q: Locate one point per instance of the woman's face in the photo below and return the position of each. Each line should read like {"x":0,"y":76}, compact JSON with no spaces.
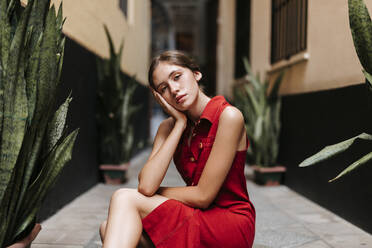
{"x":177,"y":85}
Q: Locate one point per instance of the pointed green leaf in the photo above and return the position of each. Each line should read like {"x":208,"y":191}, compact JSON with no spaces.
{"x":252,"y":99}
{"x":4,"y":34}
{"x":275,"y":90}
{"x":121,"y":48}
{"x":248,"y":69}
{"x":15,"y":107}
{"x":111,"y":43}
{"x":11,"y":6}
{"x":332,"y":150}
{"x":57,"y":125}
{"x":19,"y":168}
{"x":48,"y":66}
{"x":31,"y":79}
{"x":60,"y":18}
{"x":368,"y":79}
{"x":46,"y":88}
{"x":60,"y":60}
{"x":45,"y":180}
{"x":361,"y":30}
{"x":353,"y":166}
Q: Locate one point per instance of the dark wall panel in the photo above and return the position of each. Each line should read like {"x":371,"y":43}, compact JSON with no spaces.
{"x":81,"y":173}
{"x":242,"y":35}
{"x":310,"y":122}
{"x":79,"y":76}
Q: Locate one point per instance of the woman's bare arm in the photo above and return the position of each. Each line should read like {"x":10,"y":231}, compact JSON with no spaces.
{"x":229,"y":133}
{"x":165,"y":144}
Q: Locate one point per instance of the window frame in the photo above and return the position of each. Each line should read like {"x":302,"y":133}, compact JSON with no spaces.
{"x":288,"y":29}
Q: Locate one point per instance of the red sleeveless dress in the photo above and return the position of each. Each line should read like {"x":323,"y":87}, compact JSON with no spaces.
{"x":229,"y":221}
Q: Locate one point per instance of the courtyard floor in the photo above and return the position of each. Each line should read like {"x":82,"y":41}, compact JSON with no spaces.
{"x":284,"y":218}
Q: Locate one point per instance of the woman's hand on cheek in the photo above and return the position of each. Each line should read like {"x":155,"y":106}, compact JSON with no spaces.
{"x":173,"y":112}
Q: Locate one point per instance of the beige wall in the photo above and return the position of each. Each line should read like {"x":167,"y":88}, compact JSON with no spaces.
{"x":260,"y":35}
{"x":332,"y":58}
{"x":225,"y":47}
{"x":84,"y":24}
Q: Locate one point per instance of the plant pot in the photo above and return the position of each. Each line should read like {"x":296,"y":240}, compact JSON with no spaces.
{"x":26,"y":242}
{"x":114,"y":173}
{"x":268,"y":176}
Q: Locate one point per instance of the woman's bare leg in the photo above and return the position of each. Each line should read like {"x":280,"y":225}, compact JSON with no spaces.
{"x":145,"y":241}
{"x":102,"y":230}
{"x":124,"y":226}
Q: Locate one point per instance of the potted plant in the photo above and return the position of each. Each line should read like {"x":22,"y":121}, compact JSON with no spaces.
{"x":361,"y":30}
{"x":261,"y":110}
{"x":115,"y":111}
{"x":34,"y":144}
{"x":26,"y":241}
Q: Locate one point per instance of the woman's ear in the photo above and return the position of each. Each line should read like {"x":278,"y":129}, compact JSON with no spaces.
{"x":198,"y":75}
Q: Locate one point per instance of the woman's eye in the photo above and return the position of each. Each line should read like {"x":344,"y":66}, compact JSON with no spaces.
{"x":163,"y":89}
{"x":177,"y":77}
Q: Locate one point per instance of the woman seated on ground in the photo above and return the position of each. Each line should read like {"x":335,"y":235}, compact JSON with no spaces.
{"x":207,"y":140}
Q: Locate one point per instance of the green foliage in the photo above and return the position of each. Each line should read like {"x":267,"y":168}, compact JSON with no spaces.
{"x":361,"y":30}
{"x":115,"y":108}
{"x":34,"y":146}
{"x":332,"y":150}
{"x":261,"y":110}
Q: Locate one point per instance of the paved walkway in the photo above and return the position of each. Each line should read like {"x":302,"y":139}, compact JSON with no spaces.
{"x":284,"y":218}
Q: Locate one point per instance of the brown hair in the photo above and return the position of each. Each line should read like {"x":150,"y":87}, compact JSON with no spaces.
{"x":173,"y":57}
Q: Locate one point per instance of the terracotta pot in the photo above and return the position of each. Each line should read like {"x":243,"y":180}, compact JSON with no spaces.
{"x":114,"y":173}
{"x":26,"y":242}
{"x":268,"y":176}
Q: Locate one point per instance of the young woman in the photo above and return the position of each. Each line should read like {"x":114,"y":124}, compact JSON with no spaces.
{"x":207,"y":140}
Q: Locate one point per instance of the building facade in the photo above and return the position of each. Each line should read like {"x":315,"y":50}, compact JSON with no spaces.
{"x":324,"y":98}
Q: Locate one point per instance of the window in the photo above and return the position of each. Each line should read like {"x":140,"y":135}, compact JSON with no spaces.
{"x":242,"y":35}
{"x":288,"y":29}
{"x":124,"y":7}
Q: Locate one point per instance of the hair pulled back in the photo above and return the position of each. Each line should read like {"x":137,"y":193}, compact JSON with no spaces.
{"x":172,"y":57}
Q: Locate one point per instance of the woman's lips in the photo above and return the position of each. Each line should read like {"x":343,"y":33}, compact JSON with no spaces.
{"x":180,"y":98}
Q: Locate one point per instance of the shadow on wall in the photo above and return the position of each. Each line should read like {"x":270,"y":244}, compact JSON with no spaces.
{"x":313,"y":120}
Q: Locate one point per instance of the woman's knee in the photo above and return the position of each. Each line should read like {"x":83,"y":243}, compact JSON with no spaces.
{"x":103,"y":225}
{"x":125,"y":196}
{"x":145,"y":241}
{"x":102,"y":229}
{"x":122,"y":194}
{"x":132,"y":198}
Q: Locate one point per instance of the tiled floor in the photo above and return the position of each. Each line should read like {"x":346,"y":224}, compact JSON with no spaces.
{"x":284,"y":218}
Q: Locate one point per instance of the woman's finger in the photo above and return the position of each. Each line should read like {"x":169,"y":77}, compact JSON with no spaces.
{"x":159,"y":99}
{"x":166,"y":106}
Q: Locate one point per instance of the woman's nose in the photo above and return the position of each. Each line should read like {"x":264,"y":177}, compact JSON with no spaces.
{"x":174,"y":87}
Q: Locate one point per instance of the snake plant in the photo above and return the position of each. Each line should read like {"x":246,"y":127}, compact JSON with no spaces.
{"x":115,"y":108}
{"x":34,"y":145}
{"x":261,"y":110}
{"x":361,"y":30}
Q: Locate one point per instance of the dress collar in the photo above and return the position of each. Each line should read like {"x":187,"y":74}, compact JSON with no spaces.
{"x":210,"y":110}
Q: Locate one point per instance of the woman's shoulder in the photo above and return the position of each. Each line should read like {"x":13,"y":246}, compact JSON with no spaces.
{"x":232,"y":114}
